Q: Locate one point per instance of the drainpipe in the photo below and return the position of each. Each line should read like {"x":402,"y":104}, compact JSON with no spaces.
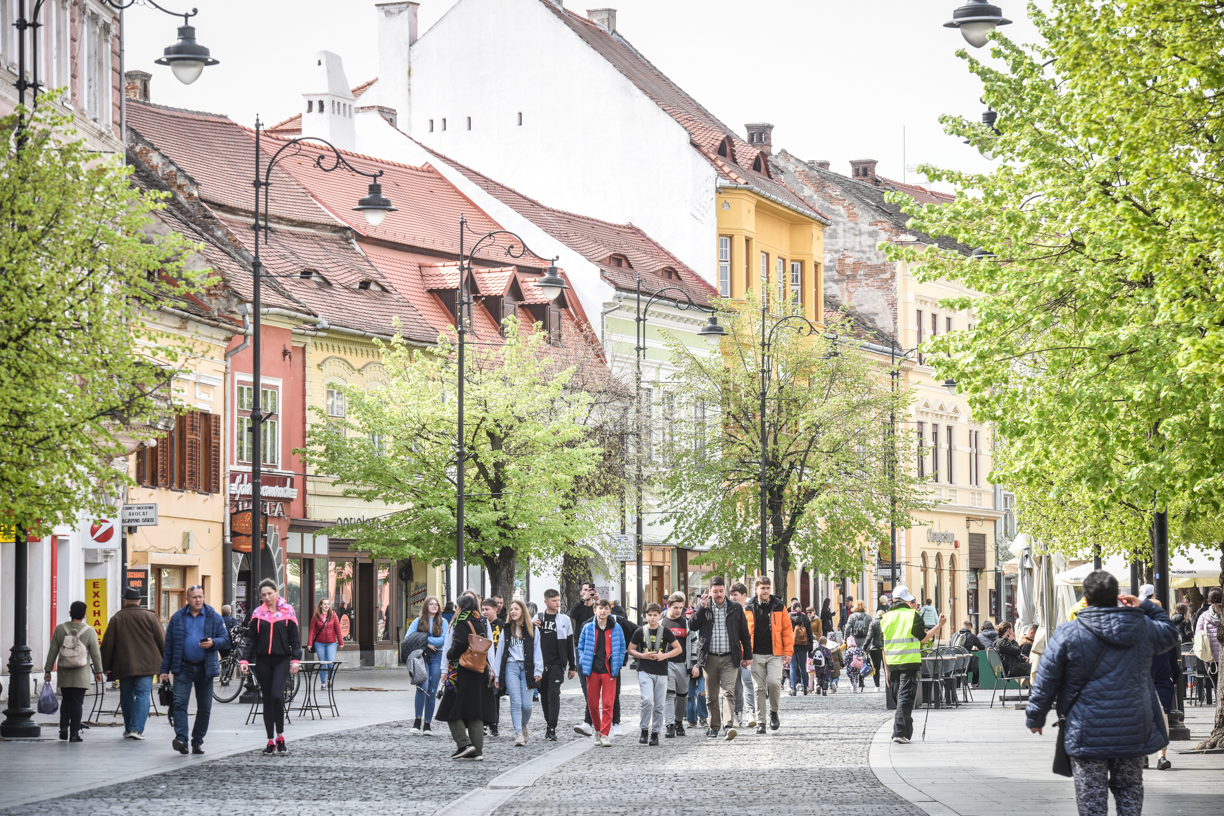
{"x":227,"y":545}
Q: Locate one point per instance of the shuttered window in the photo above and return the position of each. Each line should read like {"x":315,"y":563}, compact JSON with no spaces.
{"x":186,"y":458}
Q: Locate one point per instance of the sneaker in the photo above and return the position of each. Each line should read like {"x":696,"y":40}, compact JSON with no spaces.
{"x":551,"y":735}
{"x":493,"y":730}
{"x":704,"y":722}
{"x":752,"y":721}
{"x":642,"y":740}
{"x":654,"y":738}
{"x":416,"y":727}
{"x":712,"y":733}
{"x":63,"y":735}
{"x":761,"y":728}
{"x":616,"y":731}
{"x":606,"y":741}
{"x":197,"y":749}
{"x":901,"y":740}
{"x":824,"y":692}
{"x":584,"y":730}
{"x":1163,"y":764}
{"x":75,"y":738}
{"x":460,"y":753}
{"x":179,"y":746}
{"x":680,"y":729}
{"x":426,"y":730}
{"x":280,"y":746}
{"x":739,"y":722}
{"x":792,"y":692}
{"x":126,"y":734}
{"x":136,"y":735}
{"x":731,"y":732}
{"x":599,"y":740}
{"x":519,"y":742}
{"x":669,"y":732}
{"x":270,"y":748}
{"x":774,"y":725}
{"x":524,"y":733}
{"x":478,"y":758}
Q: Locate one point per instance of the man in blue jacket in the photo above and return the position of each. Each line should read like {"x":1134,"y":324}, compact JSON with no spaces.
{"x":1105,"y":655}
{"x":194,"y":637}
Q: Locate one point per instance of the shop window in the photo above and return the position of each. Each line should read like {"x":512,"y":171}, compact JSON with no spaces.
{"x":342,"y":589}
{"x":386,"y":629}
{"x":293,"y":590}
{"x":169,"y":594}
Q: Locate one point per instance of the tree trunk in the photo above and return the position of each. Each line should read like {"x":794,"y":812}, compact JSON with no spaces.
{"x":1194,"y":597}
{"x":1216,"y":740}
{"x":501,"y":573}
{"x":575,"y":569}
{"x":781,"y":565}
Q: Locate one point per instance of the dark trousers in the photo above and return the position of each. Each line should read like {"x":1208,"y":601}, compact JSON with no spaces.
{"x":72,"y":709}
{"x":904,"y":684}
{"x":877,"y":664}
{"x":272,"y":671}
{"x":616,"y":704}
{"x":192,"y":677}
{"x":550,"y":693}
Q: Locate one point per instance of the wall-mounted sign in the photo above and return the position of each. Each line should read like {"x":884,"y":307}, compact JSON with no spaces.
{"x":138,"y":578}
{"x":276,"y":493}
{"x":95,"y":605}
{"x":240,"y":529}
{"x":940,"y":536}
{"x":622,"y":548}
{"x":139,"y":515}
{"x":102,"y":533}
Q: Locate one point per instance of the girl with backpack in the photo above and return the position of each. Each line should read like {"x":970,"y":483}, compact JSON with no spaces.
{"x":856,"y":661}
{"x":822,"y":665}
{"x":74,"y":645}
{"x":858,"y":625}
{"x":431,"y":624}
{"x":835,"y":649}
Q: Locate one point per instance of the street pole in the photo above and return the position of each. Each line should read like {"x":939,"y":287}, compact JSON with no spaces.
{"x":461,"y":445}
{"x":764,"y":435}
{"x":892,"y":424}
{"x":257,"y":415}
{"x":639,"y":351}
{"x":19,"y":716}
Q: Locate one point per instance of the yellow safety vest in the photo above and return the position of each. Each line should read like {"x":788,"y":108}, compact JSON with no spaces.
{"x":900,"y":645}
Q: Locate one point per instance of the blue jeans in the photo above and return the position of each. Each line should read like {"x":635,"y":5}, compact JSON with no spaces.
{"x":134,"y":695}
{"x":520,"y":695}
{"x":325,"y":652}
{"x":427,"y":697}
{"x":798,"y":669}
{"x":696,"y":706}
{"x":192,"y":676}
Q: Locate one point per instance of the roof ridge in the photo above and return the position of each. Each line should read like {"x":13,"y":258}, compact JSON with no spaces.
{"x":178,"y":110}
{"x":927,"y":190}
{"x":344,"y":152}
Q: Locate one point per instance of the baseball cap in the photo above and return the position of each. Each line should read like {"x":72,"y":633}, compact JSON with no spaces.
{"x":1146,"y":591}
{"x":902,"y":591}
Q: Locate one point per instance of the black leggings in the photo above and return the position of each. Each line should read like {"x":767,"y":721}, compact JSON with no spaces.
{"x":272,"y":671}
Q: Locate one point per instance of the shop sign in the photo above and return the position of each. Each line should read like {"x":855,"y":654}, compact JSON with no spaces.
{"x":139,"y":515}
{"x":138,"y":579}
{"x":940,"y":536}
{"x":622,"y":548}
{"x":275,"y":494}
{"x":95,"y":605}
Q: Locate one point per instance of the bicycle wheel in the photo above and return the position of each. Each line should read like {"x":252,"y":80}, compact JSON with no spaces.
{"x":292,"y":683}
{"x":229,"y":684}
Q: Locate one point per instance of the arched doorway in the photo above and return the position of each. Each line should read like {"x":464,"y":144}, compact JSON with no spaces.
{"x":953,"y":613}
{"x":922,"y":588}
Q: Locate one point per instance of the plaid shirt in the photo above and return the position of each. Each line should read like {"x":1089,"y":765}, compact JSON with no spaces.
{"x":720,"y":643}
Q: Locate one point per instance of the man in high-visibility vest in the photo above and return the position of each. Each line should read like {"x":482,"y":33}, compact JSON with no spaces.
{"x":904,"y":634}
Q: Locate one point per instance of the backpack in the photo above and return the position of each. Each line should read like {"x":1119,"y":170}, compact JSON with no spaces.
{"x":818,"y":658}
{"x":73,"y":654}
{"x":861,"y":626}
{"x":960,"y":638}
{"x":801,"y":638}
{"x":418,"y":672}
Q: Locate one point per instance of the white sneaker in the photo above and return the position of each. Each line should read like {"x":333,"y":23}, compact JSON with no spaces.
{"x":730,"y":734}
{"x":751,"y":721}
{"x":583,"y":730}
{"x":136,"y":735}
{"x":126,"y":734}
{"x":616,"y":732}
{"x":607,"y":742}
{"x":901,"y":740}
{"x":598,"y":740}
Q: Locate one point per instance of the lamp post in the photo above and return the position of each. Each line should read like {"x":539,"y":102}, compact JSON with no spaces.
{"x":712,"y":333}
{"x":976,"y":19}
{"x":374,"y":206}
{"x":551,"y":284}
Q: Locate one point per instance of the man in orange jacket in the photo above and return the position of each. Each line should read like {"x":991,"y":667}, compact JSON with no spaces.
{"x":773,"y":643}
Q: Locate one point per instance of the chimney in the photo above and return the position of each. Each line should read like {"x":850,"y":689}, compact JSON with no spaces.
{"x":397,"y":33}
{"x":136,"y":85}
{"x":760,"y":136}
{"x":821,"y":164}
{"x":328,"y":108}
{"x":605,"y":17}
{"x":864,"y":170}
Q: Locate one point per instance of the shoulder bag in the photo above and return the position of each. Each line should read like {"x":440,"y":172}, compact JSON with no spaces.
{"x":1202,"y":646}
{"x":1062,"y":762}
{"x":476,"y":657}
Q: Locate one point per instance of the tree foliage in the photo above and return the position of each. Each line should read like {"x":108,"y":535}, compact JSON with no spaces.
{"x":1098,"y":351}
{"x":532,"y":485}
{"x":828,"y":453}
{"x":78,"y":276}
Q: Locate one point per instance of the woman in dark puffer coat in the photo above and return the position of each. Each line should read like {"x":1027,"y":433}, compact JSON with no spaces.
{"x":1117,"y":719}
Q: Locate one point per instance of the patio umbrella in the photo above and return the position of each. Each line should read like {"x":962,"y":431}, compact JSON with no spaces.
{"x":1200,"y":568}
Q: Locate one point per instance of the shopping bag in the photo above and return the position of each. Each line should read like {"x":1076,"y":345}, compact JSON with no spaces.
{"x":47,"y":704}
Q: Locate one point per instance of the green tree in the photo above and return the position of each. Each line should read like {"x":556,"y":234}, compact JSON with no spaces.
{"x":828,"y":455}
{"x":1099,"y":344}
{"x":79,"y":273}
{"x":528,"y":453}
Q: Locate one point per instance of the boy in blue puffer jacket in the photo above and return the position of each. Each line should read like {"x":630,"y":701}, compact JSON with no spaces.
{"x":1116,"y":720}
{"x":601,"y":653}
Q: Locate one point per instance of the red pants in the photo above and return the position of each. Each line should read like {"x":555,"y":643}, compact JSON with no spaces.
{"x":601,"y":698}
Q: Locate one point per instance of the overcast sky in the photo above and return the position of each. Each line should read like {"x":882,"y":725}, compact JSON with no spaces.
{"x":839,"y":79}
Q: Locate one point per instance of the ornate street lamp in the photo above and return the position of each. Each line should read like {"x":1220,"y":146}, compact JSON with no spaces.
{"x":976,"y":19}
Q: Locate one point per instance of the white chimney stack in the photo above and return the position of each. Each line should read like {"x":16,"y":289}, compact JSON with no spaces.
{"x":328,"y":111}
{"x":397,"y":33}
{"x":605,"y":17}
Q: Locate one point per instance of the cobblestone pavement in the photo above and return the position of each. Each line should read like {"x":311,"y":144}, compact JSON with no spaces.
{"x":816,"y":763}
{"x":378,"y":769}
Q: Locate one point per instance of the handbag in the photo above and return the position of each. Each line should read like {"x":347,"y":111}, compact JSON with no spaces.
{"x":1202,"y":647}
{"x":1062,"y":762}
{"x":476,"y":658}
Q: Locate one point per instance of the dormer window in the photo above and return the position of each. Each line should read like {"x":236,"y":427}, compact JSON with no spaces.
{"x":371,"y":286}
{"x":313,"y":275}
{"x":761,"y":165}
{"x":669,"y":273}
{"x":619,"y":261}
{"x":726,"y":149}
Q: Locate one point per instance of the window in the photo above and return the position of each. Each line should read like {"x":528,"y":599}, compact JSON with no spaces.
{"x":554,"y":325}
{"x":187,"y":458}
{"x":269,"y":434}
{"x":934,"y":452}
{"x":921,"y":450}
{"x":520,"y":118}
{"x":948,"y":326}
{"x":379,"y":443}
{"x":669,"y":422}
{"x":920,"y":335}
{"x":951,"y":454}
{"x":780,"y":275}
{"x":796,"y":285}
{"x":747,"y":266}
{"x":699,"y":427}
{"x":341,"y":588}
{"x":335,"y":402}
{"x":764,"y":275}
{"x":469,"y":123}
{"x":724,"y":265}
{"x":975,"y":472}
{"x":168,"y":596}
{"x":647,"y":424}
{"x":934,"y":325}
{"x":431,"y":126}
{"x":310,"y":106}
{"x":444,"y":123}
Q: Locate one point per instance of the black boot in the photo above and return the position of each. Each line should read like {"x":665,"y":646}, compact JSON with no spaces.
{"x":645,"y":738}
{"x":416,"y":725}
{"x":679,"y":729}
{"x":654,"y":738}
{"x":670,"y":731}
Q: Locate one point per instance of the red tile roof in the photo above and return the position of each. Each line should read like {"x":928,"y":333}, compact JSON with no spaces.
{"x":290,"y":127}
{"x":363,"y":87}
{"x":705,"y":130}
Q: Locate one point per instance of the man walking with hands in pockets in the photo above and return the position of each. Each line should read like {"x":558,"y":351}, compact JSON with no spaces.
{"x":722,"y":646}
